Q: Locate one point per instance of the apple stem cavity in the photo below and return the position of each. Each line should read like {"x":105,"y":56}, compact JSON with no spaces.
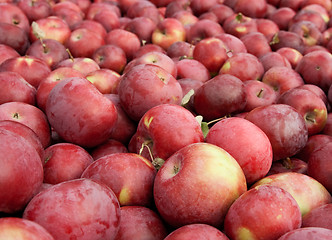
{"x":310,"y":117}
{"x":259,"y":94}
{"x":15,"y":115}
{"x":287,"y":163}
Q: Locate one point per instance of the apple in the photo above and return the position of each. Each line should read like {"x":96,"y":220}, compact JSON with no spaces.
{"x":29,"y":115}
{"x":69,"y":11}
{"x":109,"y":147}
{"x":221,"y":11}
{"x":256,"y":43}
{"x":32,"y":69}
{"x":312,"y":16}
{"x":12,"y":14}
{"x":299,"y":186}
{"x":233,"y":44}
{"x":124,"y":127}
{"x":224,"y":94}
{"x":105,"y":80}
{"x":52,"y":27}
{"x":288,"y":165}
{"x":267,"y":27}
{"x":193,"y":69}
{"x":282,"y":17}
{"x":177,"y":6}
{"x":64,"y":161}
{"x":188,"y":19}
{"x":307,"y":233}
{"x":92,"y":25}
{"x":168,"y":31}
{"x":47,"y":84}
{"x":21,"y":172}
{"x":49,"y":50}
{"x":7,"y":52}
{"x":144,"y":9}
{"x":35,"y":9}
{"x":88,"y":209}
{"x":244,"y":66}
{"x":14,"y":88}
{"x":203,"y":28}
{"x":143,"y":27}
{"x":85,"y":123}
{"x":211,"y":181}
{"x":258,"y":94}
{"x":274,"y":59}
{"x":180,"y":50}
{"x":138,"y":222}
{"x":315,"y":69}
{"x":292,"y":55}
{"x":138,"y":95}
{"x":201,"y":6}
{"x":149,"y":47}
{"x":319,"y":167}
{"x":273,"y":119}
{"x":129,"y":175}
{"x":128,"y":41}
{"x":82,"y":64}
{"x":328,"y":126}
{"x":318,"y":217}
{"x":198,"y":230}
{"x":252,"y":8}
{"x":239,"y":25}
{"x":311,"y":35}
{"x":10,"y":227}
{"x":14,"y":37}
{"x":282,"y":79}
{"x":211,"y":53}
{"x":276,"y":209}
{"x":285,"y":38}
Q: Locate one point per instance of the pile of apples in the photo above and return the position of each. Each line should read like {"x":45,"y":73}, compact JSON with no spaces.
{"x":165,"y":119}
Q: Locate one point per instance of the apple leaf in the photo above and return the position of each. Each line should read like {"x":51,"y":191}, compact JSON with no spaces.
{"x":187,"y":97}
{"x":37,"y":31}
{"x":204,"y":125}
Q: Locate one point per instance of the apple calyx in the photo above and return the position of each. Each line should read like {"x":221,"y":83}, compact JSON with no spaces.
{"x":310,"y":117}
{"x":16,"y":115}
{"x":287,"y":163}
{"x":156,"y":162}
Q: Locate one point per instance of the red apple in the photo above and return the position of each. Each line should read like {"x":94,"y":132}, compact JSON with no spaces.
{"x":138,"y":95}
{"x":224,"y":94}
{"x":282,"y":17}
{"x":144,"y":9}
{"x":105,"y":80}
{"x":12,"y":14}
{"x":180,"y":50}
{"x":83,"y":64}
{"x":267,"y":27}
{"x":30,"y":116}
{"x":235,"y":135}
{"x":92,"y":25}
{"x":143,"y":27}
{"x":280,"y":122}
{"x":277,"y":210}
{"x":256,"y":43}
{"x":202,"y":29}
{"x":139,"y":222}
{"x":198,"y":230}
{"x":64,"y":161}
{"x":148,"y":48}
{"x":285,"y":38}
{"x":21,"y":172}
{"x":274,"y":59}
{"x":35,"y":9}
{"x":244,"y":66}
{"x":213,"y":181}
{"x":201,"y":6}
{"x":288,"y":165}
{"x":129,"y":175}
{"x":7,"y":52}
{"x":69,"y":11}
{"x":14,"y":37}
{"x":233,"y":44}
{"x":193,"y":69}
{"x":292,"y":55}
{"x":309,"y":233}
{"x":239,"y":25}
{"x":319,"y":217}
{"x":10,"y":227}
{"x":251,"y":8}
{"x":221,"y":11}
{"x":87,"y":208}
{"x":85,"y":123}
{"x":14,"y":88}
{"x":109,"y":147}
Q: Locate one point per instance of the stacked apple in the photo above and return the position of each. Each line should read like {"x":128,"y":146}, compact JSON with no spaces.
{"x":165,"y":119}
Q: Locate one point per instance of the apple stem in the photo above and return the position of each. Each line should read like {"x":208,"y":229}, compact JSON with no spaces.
{"x":15,"y":115}
{"x":70,"y":55}
{"x":239,"y":17}
{"x":156,"y":162}
{"x":260,"y":93}
{"x":287,"y":163}
{"x":218,"y":119}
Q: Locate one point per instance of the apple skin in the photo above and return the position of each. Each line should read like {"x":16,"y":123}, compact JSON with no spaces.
{"x":31,"y":68}
{"x":105,"y":80}
{"x":309,"y":32}
{"x":69,"y":11}
{"x":149,"y":47}
{"x":315,"y":69}
{"x":328,"y":126}
{"x":309,"y":105}
{"x":267,"y":27}
{"x":129,"y":175}
{"x":47,"y":84}
{"x":27,"y":133}
{"x":282,"y":17}
{"x":14,"y":88}
{"x":80,"y":205}
{"x":292,"y":55}
{"x":239,"y":25}
{"x":233,"y":44}
{"x":64,"y":161}
{"x":14,"y":37}
{"x":258,"y":94}
{"x":11,"y":227}
{"x":143,"y":27}
{"x":7,"y":52}
{"x":282,"y":79}
{"x":276,"y":208}
{"x":92,"y":25}
{"x":139,"y":94}
{"x":211,"y":181}
{"x":285,"y":38}
{"x":288,"y":165}
{"x":180,"y":124}
{"x":85,"y":123}
{"x":21,"y":176}
{"x":256,"y":43}
{"x":309,"y":233}
{"x":203,"y":28}
{"x":319,"y":217}
{"x":224,"y":94}
{"x":319,"y":166}
{"x":83,"y":65}
{"x":12,"y":14}
{"x":198,"y":230}
{"x":235,"y":135}
{"x":274,"y":59}
{"x":252,"y":8}
{"x":30,"y":116}
{"x":109,"y":147}
{"x":299,"y":186}
{"x":193,"y":69}
{"x":272,"y":119}
{"x":138,"y":222}
{"x":244,"y":66}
